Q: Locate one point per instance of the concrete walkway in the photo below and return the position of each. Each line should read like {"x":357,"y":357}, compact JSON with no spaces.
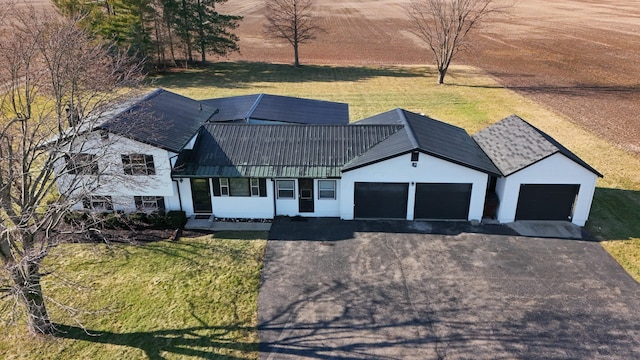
{"x":211,"y":225}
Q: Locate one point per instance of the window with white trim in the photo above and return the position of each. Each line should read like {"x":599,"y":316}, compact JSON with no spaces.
{"x":100,"y":203}
{"x":224,"y":186}
{"x":138,"y":164}
{"x":149,"y":203}
{"x":327,"y":189}
{"x":82,"y":164}
{"x":255,"y":187}
{"x":285,"y":189}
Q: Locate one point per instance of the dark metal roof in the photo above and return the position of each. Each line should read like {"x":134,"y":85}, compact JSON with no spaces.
{"x":513,"y":144}
{"x":232,"y":108}
{"x":427,"y":135}
{"x":162,"y":119}
{"x":248,"y":150}
{"x":282,"y":109}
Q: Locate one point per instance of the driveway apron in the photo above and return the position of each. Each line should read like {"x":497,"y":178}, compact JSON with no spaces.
{"x":347,"y":290}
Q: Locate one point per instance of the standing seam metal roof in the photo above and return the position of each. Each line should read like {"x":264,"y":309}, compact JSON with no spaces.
{"x":250,"y":150}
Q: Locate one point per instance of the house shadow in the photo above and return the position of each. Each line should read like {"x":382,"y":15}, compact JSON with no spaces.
{"x":334,"y":229}
{"x":191,"y":341}
{"x":244,"y":75}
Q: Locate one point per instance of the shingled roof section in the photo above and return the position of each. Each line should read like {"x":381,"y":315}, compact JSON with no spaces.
{"x":427,"y":135}
{"x":281,"y":109}
{"x":250,"y":150}
{"x":162,"y":119}
{"x":513,"y":144}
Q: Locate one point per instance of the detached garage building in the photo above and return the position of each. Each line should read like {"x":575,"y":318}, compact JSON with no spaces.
{"x":541,"y":179}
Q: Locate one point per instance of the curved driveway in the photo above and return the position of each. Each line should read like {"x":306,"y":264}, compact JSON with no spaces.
{"x":388,"y":290}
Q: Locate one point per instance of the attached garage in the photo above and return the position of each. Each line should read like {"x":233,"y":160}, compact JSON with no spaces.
{"x":546,"y":201}
{"x":442,"y":201}
{"x":376,"y":200}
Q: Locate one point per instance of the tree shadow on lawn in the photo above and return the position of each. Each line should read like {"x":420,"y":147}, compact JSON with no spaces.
{"x":615,"y":214}
{"x":243,"y":75}
{"x":200,"y":341}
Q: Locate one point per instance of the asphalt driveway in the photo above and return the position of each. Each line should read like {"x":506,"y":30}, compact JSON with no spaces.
{"x":395,"y":290}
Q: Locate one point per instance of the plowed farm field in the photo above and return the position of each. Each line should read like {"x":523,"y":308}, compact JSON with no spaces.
{"x":580,"y":58}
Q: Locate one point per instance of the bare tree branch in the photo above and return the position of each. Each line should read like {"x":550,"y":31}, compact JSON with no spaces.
{"x":444,"y":25}
{"x":58,"y":85}
{"x":293,"y":21}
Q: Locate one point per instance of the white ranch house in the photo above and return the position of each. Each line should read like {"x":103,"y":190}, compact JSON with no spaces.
{"x":261,"y":156}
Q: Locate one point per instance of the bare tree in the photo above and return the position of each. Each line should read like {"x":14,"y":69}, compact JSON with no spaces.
{"x":293,"y":21}
{"x":57,"y":83}
{"x":445,"y":24}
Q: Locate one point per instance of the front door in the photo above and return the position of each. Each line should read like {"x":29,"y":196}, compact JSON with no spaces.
{"x":305,"y":196}
{"x":201,"y":194}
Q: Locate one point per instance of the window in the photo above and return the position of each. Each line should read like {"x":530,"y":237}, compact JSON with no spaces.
{"x":326,"y":189}
{"x":415,"y":156}
{"x":286,"y":189}
{"x":138,"y":164}
{"x":224,"y":186}
{"x":239,"y":187}
{"x":149,"y":203}
{"x":82,"y":164}
{"x":101,"y":203}
{"x":255,"y":187}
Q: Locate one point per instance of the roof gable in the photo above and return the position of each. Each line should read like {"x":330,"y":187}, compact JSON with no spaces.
{"x":161,"y":118}
{"x":427,"y":135}
{"x":513,"y":144}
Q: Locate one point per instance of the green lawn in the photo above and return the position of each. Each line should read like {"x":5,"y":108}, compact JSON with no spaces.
{"x":197,"y":298}
{"x":191,"y":299}
{"x":471,"y":100}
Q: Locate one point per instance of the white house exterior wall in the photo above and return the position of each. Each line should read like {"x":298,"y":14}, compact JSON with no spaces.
{"x":428,"y":169}
{"x":113,"y":182}
{"x":556,"y":169}
{"x":260,"y":207}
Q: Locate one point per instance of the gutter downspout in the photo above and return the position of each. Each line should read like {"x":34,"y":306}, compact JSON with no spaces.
{"x":275,"y":208}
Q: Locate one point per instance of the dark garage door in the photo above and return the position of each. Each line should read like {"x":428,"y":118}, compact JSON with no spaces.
{"x":381,"y":200}
{"x":546,"y":202}
{"x":442,"y":201}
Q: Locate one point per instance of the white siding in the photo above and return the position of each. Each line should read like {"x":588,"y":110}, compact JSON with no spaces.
{"x":428,"y":169}
{"x":114,"y":182}
{"x":556,"y":169}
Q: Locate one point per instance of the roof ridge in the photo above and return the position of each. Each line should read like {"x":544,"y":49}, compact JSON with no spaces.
{"x":410,"y":134}
{"x":254,"y":106}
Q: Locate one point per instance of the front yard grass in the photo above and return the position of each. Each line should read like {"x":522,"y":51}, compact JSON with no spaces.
{"x":191,"y":299}
{"x":471,"y":100}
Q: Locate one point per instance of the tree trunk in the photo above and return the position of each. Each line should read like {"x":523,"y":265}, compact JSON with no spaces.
{"x":296,"y":62}
{"x":441,"y":75}
{"x":27,"y":280}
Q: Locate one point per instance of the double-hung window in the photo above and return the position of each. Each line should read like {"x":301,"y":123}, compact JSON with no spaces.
{"x":100,"y":203}
{"x":149,"y":203}
{"x":327,"y":189}
{"x":255,"y":187}
{"x":286,"y":189}
{"x":138,"y":164}
{"x":82,"y":164}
